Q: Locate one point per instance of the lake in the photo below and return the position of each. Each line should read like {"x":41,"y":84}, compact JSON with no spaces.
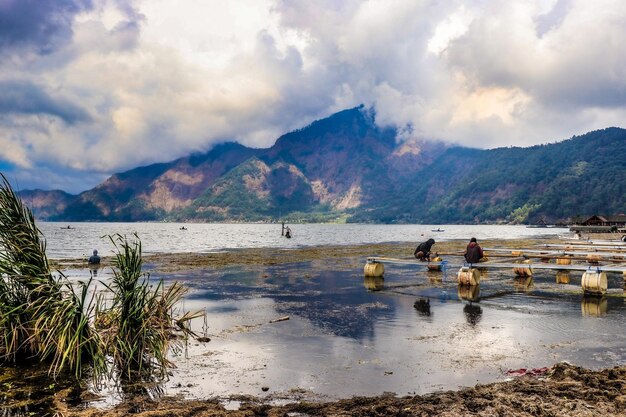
{"x":82,"y":238}
{"x":348,"y":335}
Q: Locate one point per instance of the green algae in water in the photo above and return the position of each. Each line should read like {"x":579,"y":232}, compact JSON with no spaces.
{"x":28,"y":391}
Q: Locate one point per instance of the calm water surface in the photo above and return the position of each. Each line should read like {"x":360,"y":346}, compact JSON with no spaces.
{"x":349,"y":335}
{"x":82,"y":238}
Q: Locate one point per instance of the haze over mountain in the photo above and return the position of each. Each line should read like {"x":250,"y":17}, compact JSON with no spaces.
{"x":346,"y":167}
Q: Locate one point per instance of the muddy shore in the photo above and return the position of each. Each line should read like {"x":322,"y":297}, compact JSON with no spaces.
{"x":563,"y":390}
{"x":335,"y":256}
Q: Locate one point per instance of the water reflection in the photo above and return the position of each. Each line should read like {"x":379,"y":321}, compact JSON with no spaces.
{"x":469,"y":292}
{"x":345,"y":331}
{"x":473,"y":313}
{"x":422,"y":306}
{"x":522,"y":284}
{"x":562,"y":277}
{"x":484,"y":273}
{"x":594,"y":306}
{"x":374,"y":283}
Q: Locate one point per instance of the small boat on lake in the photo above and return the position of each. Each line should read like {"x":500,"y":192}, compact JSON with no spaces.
{"x":437,"y":230}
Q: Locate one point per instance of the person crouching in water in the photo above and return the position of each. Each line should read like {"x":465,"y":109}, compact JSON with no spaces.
{"x":422,"y":252}
{"x":473,"y":252}
{"x":94,"y":259}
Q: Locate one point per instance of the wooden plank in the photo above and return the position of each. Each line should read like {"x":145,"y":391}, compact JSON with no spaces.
{"x":540,"y":265}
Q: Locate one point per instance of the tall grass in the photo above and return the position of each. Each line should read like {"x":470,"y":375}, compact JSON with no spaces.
{"x":127,"y":332}
{"x":40,"y":315}
{"x":141,"y":328}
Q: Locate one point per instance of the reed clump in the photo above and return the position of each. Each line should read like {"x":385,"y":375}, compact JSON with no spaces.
{"x":123,"y":333}
{"x":138,"y":326}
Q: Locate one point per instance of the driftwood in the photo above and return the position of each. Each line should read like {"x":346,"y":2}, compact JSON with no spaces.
{"x":279,"y":319}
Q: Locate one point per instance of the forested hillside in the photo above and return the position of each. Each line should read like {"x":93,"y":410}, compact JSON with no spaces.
{"x":347,"y":168}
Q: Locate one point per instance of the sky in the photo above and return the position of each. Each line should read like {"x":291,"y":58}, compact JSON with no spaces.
{"x":89,"y":88}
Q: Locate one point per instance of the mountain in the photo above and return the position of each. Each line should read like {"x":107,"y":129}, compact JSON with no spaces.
{"x":46,"y":204}
{"x":584,"y":175}
{"x":347,"y":168}
{"x":252,"y":191}
{"x":151,"y":192}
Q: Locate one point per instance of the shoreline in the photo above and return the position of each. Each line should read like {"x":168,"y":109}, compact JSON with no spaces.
{"x":565,"y":390}
{"x":167,"y":262}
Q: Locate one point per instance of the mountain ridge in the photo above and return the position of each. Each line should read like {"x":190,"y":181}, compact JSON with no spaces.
{"x":347,"y":168}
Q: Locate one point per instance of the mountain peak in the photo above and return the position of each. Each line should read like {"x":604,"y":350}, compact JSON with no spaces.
{"x":347,"y":166}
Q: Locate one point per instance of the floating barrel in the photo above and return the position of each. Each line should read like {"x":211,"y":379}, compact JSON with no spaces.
{"x":469,"y":292}
{"x":374,"y":283}
{"x":562,"y":277}
{"x":523,"y":271}
{"x":374,"y":269}
{"x":593,"y":259}
{"x":563,"y":261}
{"x":468,"y":276}
{"x":594,"y":306}
{"x":594,"y":283}
{"x":435,"y":267}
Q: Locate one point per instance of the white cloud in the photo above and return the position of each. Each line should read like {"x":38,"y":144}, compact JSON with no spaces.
{"x":160,"y":79}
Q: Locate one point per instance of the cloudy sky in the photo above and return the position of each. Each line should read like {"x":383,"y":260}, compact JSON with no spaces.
{"x":93,"y":87}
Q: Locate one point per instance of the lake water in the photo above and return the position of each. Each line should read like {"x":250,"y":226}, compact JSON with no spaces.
{"x":348,"y":335}
{"x":82,"y":238}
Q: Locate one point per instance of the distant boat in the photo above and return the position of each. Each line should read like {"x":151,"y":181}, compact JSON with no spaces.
{"x":68,"y":227}
{"x":437,"y":230}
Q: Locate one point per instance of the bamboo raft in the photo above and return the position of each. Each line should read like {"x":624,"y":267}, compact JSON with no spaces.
{"x":594,"y":279}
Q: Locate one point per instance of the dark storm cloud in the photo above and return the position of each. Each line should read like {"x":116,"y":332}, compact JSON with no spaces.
{"x":39,"y":24}
{"x":20,"y":97}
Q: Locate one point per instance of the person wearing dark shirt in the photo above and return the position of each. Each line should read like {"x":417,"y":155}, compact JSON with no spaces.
{"x":473,"y":252}
{"x":422,"y":252}
{"x":94,"y":259}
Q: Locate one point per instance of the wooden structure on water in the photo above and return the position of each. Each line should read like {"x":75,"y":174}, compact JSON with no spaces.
{"x":601,"y":224}
{"x":599,"y":259}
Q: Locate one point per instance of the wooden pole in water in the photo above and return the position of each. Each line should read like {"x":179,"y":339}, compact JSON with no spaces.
{"x":521,"y":255}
